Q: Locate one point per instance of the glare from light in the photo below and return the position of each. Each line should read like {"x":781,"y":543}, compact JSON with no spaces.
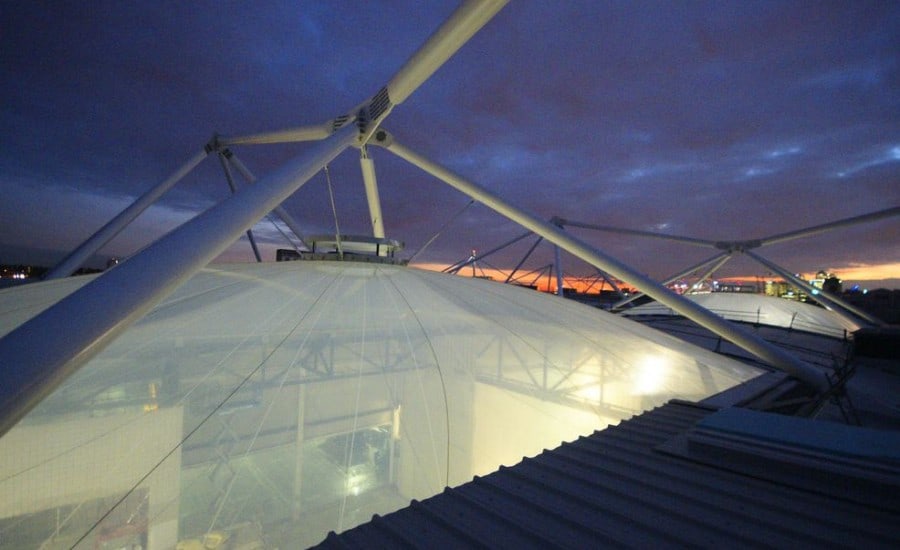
{"x":395,"y":424}
{"x":650,"y":377}
{"x":590,"y":394}
{"x":354,"y":481}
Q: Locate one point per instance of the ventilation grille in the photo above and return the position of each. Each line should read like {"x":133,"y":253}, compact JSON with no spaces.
{"x":339,"y":122}
{"x":379,"y":104}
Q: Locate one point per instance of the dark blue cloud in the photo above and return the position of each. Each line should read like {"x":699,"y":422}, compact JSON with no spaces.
{"x":714,"y":119}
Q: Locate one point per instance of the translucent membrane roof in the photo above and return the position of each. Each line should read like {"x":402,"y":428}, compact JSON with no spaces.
{"x":272,"y":403}
{"x":764,"y":310}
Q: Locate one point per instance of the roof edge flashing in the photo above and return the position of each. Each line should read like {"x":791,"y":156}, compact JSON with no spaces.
{"x":852,"y":463}
{"x":802,"y":434}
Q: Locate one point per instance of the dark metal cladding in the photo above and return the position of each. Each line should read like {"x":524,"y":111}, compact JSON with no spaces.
{"x":617,"y":488}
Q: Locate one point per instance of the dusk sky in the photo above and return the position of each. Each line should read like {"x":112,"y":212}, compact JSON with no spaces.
{"x":719,"y":120}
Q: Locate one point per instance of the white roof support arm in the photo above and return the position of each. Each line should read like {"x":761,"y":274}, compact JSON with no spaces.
{"x":450,"y":37}
{"x":45,"y":350}
{"x":440,"y":46}
{"x":95,"y":242}
{"x":833,"y":303}
{"x":609,"y":229}
{"x":291,"y":135}
{"x":872,"y":216}
{"x":557,"y":262}
{"x":731,"y":332}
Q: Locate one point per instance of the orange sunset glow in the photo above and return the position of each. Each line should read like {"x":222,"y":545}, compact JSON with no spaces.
{"x":861,"y":272}
{"x":886,"y":274}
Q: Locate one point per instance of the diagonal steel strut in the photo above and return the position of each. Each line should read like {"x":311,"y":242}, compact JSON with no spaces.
{"x":772,"y":355}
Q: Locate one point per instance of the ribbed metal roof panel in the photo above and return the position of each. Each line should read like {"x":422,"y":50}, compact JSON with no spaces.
{"x":616,"y":488}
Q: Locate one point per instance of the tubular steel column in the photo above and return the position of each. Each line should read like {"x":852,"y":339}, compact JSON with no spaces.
{"x":557,"y":265}
{"x":367,"y":165}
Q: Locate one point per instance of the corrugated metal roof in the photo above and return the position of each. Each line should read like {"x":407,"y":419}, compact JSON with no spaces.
{"x":616,"y":488}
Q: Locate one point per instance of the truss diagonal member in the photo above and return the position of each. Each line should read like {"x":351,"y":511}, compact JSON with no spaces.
{"x":709,"y":272}
{"x":592,"y":279}
{"x":54,"y":344}
{"x":472,"y":259}
{"x":705,"y":318}
{"x":611,"y":282}
{"x":95,"y":242}
{"x":524,"y":258}
{"x":457,"y":266}
{"x":721,"y":258}
{"x":279,"y":210}
{"x":872,"y":216}
{"x":231,"y":185}
{"x":609,"y":229}
{"x":538,"y":274}
{"x":439,"y":232}
{"x":833,"y":303}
